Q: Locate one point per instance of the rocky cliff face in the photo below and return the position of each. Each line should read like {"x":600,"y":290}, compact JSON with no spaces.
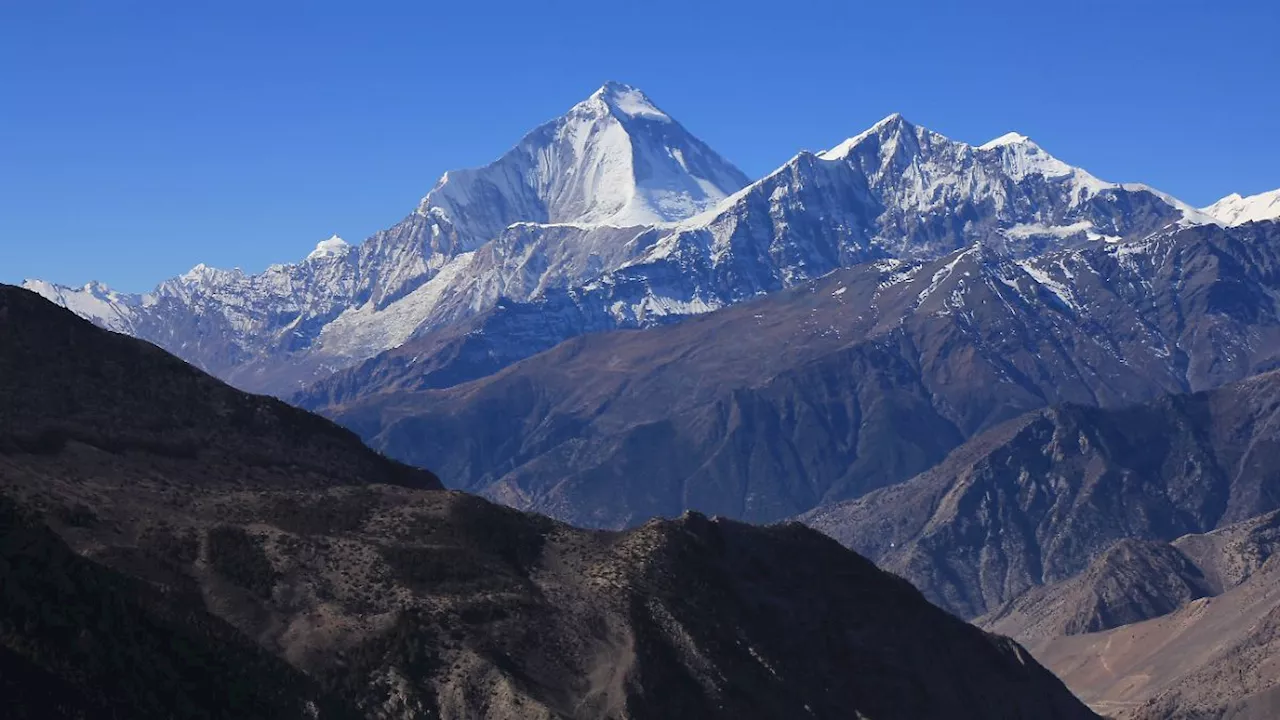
{"x":1037,"y":500}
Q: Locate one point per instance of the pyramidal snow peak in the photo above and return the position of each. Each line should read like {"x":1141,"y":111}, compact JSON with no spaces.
{"x":614,"y":159}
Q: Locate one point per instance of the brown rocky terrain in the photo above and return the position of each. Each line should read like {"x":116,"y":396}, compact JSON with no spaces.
{"x":1212,"y":657}
{"x":1131,"y":581}
{"x":231,"y":552}
{"x":1136,"y":580}
{"x":1036,"y":500}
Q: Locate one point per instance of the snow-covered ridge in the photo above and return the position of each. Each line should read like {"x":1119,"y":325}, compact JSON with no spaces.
{"x":1236,"y":210}
{"x":94,"y":301}
{"x":842,"y":150}
{"x":617,"y":210}
{"x":1020,"y":158}
{"x":547,"y":213}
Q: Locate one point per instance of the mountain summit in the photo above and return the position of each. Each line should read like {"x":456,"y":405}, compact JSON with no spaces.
{"x":613,"y":159}
{"x":1236,"y":210}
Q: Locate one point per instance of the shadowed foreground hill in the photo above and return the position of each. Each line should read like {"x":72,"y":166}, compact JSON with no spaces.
{"x":79,"y":640}
{"x":218,"y":549}
{"x":65,"y":382}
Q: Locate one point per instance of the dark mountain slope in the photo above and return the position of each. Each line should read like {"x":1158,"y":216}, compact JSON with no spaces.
{"x":79,"y":640}
{"x":66,"y":381}
{"x":827,"y":391}
{"x":1036,"y":500}
{"x":404,"y":602}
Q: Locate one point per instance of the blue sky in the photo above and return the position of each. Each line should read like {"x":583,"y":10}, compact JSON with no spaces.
{"x":140,"y":138}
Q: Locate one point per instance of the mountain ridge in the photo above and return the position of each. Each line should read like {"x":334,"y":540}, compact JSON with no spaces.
{"x":1035,"y":501}
{"x":261,"y":331}
{"x":1236,"y":210}
{"x":546,"y":219}
{"x":764,"y":409}
{"x":779,"y":232}
{"x":1210,"y":656}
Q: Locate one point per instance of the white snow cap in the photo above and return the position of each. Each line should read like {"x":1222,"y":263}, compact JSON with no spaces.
{"x":1236,"y":210}
{"x":612,"y":159}
{"x":843,"y":149}
{"x":628,"y":101}
{"x":332,"y":247}
{"x":1011,"y":138}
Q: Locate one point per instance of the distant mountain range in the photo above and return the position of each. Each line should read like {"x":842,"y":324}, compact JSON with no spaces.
{"x":1213,"y":655}
{"x":1035,"y":500}
{"x":615,"y":216}
{"x":834,"y":388}
{"x":555,"y":211}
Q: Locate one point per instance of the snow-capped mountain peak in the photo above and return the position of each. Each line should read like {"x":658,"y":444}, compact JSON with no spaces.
{"x":203,"y":274}
{"x":881,"y":129}
{"x":613,"y":215}
{"x":930,"y":166}
{"x":333,"y":247}
{"x":1018,"y":155}
{"x":612,"y":159}
{"x":1235,"y":209}
{"x":1009,"y":138}
{"x":628,"y":102}
{"x":1022,"y":157}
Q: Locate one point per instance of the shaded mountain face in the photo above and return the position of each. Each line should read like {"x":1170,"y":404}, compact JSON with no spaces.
{"x":80,"y":640}
{"x":1136,"y":580}
{"x":829,"y":390}
{"x":614,"y":216}
{"x":316,"y":582}
{"x":1131,"y":581}
{"x":67,"y":384}
{"x":1036,"y":500}
{"x":1210,"y":656}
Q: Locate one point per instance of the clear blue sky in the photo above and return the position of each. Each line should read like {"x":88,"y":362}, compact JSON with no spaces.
{"x":140,"y":138}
